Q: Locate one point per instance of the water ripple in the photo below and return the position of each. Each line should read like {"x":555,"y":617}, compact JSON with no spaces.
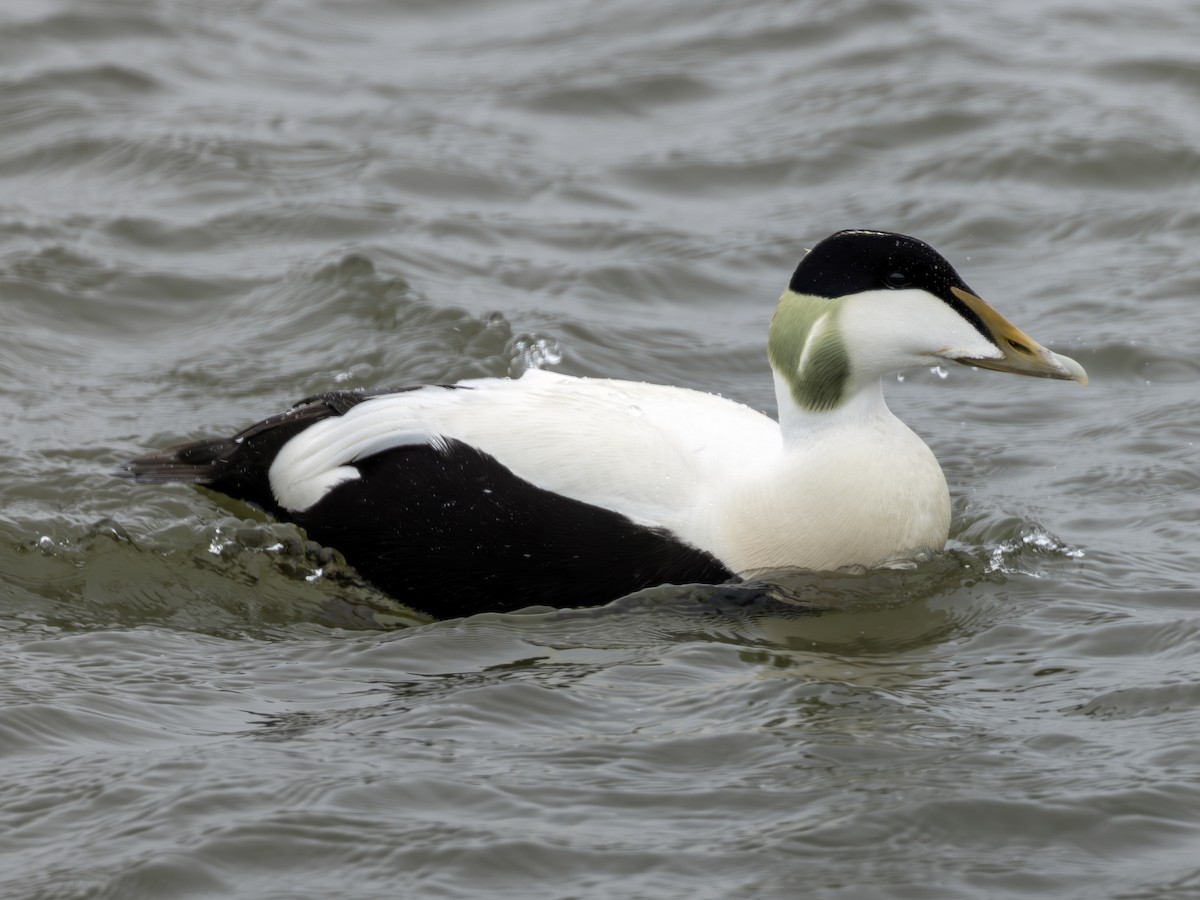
{"x":212,"y":210}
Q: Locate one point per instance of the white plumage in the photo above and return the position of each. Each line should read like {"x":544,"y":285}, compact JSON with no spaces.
{"x":858,"y":489}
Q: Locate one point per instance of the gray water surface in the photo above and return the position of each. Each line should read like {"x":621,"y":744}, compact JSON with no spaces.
{"x":211,"y":210}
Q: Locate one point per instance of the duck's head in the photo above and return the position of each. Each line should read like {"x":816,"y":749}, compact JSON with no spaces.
{"x":863,"y":304}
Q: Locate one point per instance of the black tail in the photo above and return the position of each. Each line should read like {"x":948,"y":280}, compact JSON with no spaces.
{"x":202,"y":462}
{"x":237,"y":466}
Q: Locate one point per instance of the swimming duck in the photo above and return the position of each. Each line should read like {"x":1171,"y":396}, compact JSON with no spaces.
{"x":495,"y":494}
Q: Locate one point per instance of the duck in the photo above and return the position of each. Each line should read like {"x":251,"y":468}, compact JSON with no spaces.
{"x":496,"y":494}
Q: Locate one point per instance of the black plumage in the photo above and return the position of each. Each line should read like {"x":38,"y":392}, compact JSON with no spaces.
{"x":442,"y":526}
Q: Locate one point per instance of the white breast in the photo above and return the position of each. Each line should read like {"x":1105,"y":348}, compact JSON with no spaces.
{"x":868,"y":497}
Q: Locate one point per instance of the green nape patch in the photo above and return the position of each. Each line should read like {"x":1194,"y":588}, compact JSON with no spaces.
{"x":805,"y":346}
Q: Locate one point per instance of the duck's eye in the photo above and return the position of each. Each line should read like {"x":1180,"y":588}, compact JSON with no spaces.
{"x":897,"y":280}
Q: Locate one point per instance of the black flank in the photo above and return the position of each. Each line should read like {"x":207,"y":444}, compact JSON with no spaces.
{"x":451,"y":531}
{"x":445,"y":529}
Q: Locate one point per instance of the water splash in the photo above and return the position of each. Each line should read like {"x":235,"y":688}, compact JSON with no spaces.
{"x":358,"y":372}
{"x":222,"y":543}
{"x":1019,"y":555}
{"x":532,"y":352}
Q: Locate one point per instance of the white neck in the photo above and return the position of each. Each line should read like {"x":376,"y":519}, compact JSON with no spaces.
{"x":852,"y":486}
{"x":800,"y":426}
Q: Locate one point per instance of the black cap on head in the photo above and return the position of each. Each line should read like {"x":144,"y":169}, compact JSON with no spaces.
{"x":850,"y":262}
{"x":853,"y":261}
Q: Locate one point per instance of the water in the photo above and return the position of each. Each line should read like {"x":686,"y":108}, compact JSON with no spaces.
{"x":209,"y":210}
